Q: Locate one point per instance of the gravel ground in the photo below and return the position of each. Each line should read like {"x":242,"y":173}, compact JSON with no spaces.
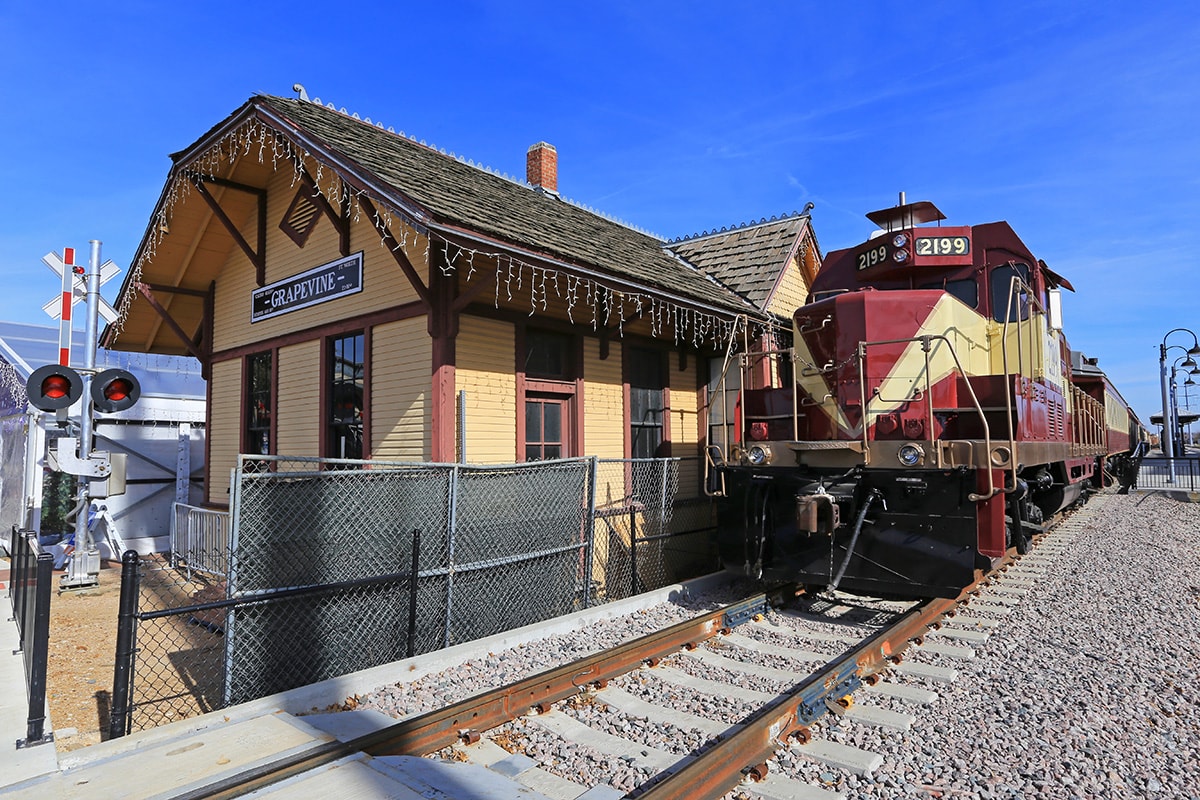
{"x":1084,"y":691}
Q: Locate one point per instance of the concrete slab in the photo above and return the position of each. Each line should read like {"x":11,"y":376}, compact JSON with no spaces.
{"x":20,"y":763}
{"x":750,"y":643}
{"x":178,"y":766}
{"x":879,"y":717}
{"x":717,"y":688}
{"x":781,"y":787}
{"x":636,"y":753}
{"x":431,"y":778}
{"x":927,"y":672}
{"x":851,"y":759}
{"x":626,"y":703}
{"x":903,"y":692}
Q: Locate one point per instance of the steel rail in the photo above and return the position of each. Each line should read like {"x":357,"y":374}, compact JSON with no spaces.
{"x":727,"y":763}
{"x":461,"y":721}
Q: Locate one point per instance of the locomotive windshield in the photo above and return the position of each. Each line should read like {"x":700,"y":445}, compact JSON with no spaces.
{"x":1004,"y":307}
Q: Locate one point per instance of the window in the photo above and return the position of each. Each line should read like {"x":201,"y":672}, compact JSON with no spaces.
{"x":722,"y":405}
{"x":647,"y":375}
{"x":544,"y":434}
{"x":548,"y":355}
{"x":548,"y":381}
{"x":1001,"y":280}
{"x":965,"y":289}
{"x":257,"y":433}
{"x":346,"y":384}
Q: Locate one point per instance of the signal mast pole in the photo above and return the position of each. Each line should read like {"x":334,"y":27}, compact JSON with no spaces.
{"x":79,"y":570}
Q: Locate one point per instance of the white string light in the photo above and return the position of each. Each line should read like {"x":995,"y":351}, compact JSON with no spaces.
{"x":217,"y":161}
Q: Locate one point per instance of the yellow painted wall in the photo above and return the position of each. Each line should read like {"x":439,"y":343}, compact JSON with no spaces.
{"x":400,"y":389}
{"x":224,"y":427}
{"x":298,"y":426}
{"x":485,"y":370}
{"x":685,"y":424}
{"x":603,"y":401}
{"x":384,"y":284}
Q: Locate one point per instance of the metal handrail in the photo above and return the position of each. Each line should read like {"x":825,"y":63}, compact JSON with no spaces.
{"x":993,"y":490}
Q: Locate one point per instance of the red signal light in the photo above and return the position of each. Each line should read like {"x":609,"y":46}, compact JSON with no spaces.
{"x":114,"y":390}
{"x":54,"y":387}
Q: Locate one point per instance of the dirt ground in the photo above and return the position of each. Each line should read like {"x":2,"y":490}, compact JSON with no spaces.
{"x":83,"y":642}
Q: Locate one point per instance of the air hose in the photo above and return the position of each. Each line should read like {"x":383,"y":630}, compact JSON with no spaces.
{"x":858,"y":523}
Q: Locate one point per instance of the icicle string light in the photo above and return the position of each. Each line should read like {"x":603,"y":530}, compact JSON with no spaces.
{"x":255,"y":138}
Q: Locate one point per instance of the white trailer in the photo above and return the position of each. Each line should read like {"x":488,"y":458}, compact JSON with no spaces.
{"x":162,"y":437}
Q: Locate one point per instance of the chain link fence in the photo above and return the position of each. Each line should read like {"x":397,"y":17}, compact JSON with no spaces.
{"x":332,"y":566}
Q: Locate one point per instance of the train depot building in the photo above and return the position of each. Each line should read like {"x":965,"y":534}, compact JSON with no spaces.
{"x":353,"y":293}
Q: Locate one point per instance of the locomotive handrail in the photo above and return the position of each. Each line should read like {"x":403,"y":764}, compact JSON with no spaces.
{"x":925,"y":340}
{"x":1014,"y":283}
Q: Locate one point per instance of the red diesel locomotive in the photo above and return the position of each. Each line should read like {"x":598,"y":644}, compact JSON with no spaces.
{"x":925,"y":419}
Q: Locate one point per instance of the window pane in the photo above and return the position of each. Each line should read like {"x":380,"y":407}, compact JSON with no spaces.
{"x":533,"y":421}
{"x":553,"y":451}
{"x":345,"y":396}
{"x":547,"y":355}
{"x":553,"y":429}
{"x":533,"y":452}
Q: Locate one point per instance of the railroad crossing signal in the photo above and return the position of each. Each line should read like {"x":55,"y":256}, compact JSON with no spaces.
{"x":54,"y":387}
{"x":56,"y":307}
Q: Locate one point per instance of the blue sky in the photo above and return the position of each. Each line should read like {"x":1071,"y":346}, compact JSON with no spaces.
{"x":1076,"y":122}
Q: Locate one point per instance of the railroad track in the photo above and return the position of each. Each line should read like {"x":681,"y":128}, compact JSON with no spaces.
{"x":768,"y":681}
{"x":735,"y":751}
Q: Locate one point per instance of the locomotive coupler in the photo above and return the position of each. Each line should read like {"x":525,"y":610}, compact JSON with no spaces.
{"x":817,"y":513}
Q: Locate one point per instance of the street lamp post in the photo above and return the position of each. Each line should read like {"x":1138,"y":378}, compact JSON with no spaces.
{"x":1192,"y":368}
{"x":1168,"y":443}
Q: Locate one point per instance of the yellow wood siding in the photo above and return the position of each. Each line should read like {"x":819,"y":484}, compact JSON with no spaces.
{"x":603,"y":401}
{"x":298,"y":397}
{"x":791,"y":291}
{"x":224,"y":427}
{"x":485,"y":370}
{"x":685,"y":425}
{"x":384,"y":284}
{"x":401,"y":359}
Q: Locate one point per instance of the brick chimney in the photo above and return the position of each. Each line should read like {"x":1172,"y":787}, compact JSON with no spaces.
{"x":541,"y":167}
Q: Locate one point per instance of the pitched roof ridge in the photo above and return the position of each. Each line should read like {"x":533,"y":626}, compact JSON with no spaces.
{"x":740,"y":227}
{"x":414,"y":140}
{"x":610,"y":218}
{"x":481,"y":166}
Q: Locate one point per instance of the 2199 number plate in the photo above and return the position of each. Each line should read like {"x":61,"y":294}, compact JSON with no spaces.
{"x":943,"y":246}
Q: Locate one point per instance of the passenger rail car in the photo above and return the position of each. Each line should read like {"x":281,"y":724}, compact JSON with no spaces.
{"x":926,"y":418}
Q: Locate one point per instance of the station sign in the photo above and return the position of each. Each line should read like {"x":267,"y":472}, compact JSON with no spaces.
{"x":313,"y":287}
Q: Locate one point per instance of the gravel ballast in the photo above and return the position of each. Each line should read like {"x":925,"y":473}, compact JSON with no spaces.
{"x":1084,"y":689}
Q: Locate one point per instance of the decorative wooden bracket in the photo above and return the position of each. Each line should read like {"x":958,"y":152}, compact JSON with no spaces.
{"x":397,"y":251}
{"x":147,"y":291}
{"x":257,"y":257}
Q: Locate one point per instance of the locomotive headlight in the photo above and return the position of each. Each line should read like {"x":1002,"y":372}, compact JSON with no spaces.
{"x":900,"y":256}
{"x":758,"y":455}
{"x":910,"y":455}
{"x":900,"y":240}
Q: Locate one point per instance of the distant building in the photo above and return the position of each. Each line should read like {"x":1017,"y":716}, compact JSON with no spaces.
{"x":162,"y":437}
{"x":351,"y":292}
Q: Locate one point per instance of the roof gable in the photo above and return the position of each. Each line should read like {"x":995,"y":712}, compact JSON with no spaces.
{"x":750,"y":259}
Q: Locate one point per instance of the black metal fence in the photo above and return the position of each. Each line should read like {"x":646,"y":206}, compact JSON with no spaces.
{"x":30,"y":577}
{"x":336,"y":566}
{"x":1169,"y":473}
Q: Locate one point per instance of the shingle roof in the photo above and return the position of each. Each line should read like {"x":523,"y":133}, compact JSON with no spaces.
{"x":459,"y":194}
{"x":746,"y":259}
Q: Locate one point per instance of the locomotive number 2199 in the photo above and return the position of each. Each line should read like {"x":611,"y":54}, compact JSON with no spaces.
{"x":943,"y":245}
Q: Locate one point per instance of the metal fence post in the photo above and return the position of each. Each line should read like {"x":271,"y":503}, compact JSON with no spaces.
{"x":590,"y":543}
{"x":119,"y":716}
{"x":451,"y":535}
{"x":414,"y":580}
